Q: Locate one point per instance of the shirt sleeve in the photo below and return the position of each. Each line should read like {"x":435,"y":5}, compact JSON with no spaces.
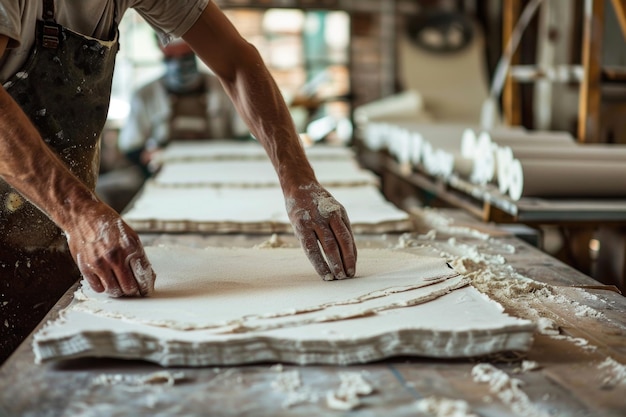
{"x":10,"y":21}
{"x":170,"y":18}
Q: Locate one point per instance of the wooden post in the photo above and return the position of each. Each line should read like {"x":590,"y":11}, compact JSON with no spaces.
{"x":511,"y":97}
{"x":620,"y":13}
{"x":590,"y":88}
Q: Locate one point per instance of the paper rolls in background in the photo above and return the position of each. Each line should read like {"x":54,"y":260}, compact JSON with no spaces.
{"x":442,"y":150}
{"x":522,"y":163}
{"x":489,"y":158}
{"x":433,"y":148}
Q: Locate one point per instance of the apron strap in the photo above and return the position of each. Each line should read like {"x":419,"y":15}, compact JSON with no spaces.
{"x":48,"y":10}
{"x":51,"y":32}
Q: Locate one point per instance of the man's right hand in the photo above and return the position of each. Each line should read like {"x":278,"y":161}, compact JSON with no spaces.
{"x":107,"y":251}
{"x":110,"y":255}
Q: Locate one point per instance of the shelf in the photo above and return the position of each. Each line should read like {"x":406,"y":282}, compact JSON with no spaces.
{"x":489,"y":204}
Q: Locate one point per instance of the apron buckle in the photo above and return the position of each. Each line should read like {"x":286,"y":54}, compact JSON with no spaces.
{"x":50,"y":36}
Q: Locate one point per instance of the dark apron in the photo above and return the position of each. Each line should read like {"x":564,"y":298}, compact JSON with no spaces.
{"x":64,"y":87}
{"x":189,"y":119}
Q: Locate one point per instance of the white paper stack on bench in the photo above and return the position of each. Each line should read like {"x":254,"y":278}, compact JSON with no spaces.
{"x":220,"y":306}
{"x":203,"y":150}
{"x":257,"y":173}
{"x":251,"y":210}
{"x":231,"y":187}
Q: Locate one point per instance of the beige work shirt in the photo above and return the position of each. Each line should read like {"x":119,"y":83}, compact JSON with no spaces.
{"x":95,"y":18}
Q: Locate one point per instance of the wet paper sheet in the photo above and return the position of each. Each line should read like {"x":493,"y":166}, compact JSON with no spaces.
{"x":222,"y":306}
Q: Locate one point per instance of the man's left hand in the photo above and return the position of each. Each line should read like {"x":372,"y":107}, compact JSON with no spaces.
{"x":321,"y":224}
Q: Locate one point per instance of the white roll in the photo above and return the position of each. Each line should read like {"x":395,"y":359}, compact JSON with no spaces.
{"x":399,"y":144}
{"x":417,"y":143}
{"x":514,"y":138}
{"x":484,"y":168}
{"x":504,"y":160}
{"x":375,"y":136}
{"x":463,"y":166}
{"x":515,"y":182}
{"x":469,"y":142}
{"x":445,"y":163}
{"x":566,"y":178}
{"x":430,"y":164}
{"x":595,"y":152}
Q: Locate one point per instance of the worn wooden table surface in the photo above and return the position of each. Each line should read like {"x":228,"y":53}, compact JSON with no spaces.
{"x":579,"y":360}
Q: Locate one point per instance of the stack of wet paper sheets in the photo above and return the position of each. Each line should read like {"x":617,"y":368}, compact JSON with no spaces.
{"x":225,"y":306}
{"x":199,"y":150}
{"x":226,"y":187}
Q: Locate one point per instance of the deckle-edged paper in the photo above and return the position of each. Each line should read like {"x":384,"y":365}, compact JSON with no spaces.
{"x":256,"y":173}
{"x":206,"y":150}
{"x":251,"y":210}
{"x":219,"y":306}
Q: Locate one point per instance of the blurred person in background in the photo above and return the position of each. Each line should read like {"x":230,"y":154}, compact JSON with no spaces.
{"x":183,"y":104}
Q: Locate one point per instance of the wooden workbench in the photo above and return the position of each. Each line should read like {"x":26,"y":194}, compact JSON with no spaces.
{"x":569,"y":381}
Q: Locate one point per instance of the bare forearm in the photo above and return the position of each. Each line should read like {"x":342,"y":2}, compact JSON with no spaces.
{"x":34,"y":170}
{"x":262,"y":106}
{"x":254,"y":93}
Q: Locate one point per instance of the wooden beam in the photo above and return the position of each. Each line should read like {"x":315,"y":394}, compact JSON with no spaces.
{"x":620,"y":13}
{"x":511,"y":97}
{"x":590,"y":88}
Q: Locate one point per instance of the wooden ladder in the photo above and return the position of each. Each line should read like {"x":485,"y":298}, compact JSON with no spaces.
{"x":590,"y":74}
